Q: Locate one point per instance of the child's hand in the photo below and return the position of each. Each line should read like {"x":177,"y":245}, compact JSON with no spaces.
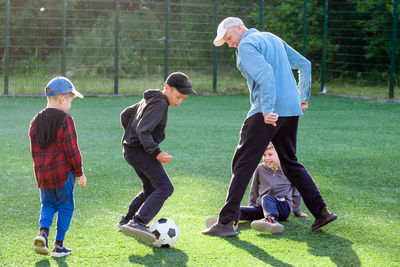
{"x":303,"y":215}
{"x":82,"y":180}
{"x":164,"y":157}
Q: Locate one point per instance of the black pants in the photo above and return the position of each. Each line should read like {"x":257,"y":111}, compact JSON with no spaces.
{"x":254,"y":139}
{"x":157,"y":186}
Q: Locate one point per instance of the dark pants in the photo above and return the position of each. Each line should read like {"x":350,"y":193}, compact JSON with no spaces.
{"x":157,"y":186}
{"x":254,"y":139}
{"x":276,"y":207}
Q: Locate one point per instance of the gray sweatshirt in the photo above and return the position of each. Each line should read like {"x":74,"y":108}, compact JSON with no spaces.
{"x":273,"y":183}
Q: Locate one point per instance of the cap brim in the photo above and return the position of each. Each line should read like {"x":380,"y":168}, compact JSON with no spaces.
{"x":76,"y":93}
{"x":186,"y":90}
{"x":219,"y":40}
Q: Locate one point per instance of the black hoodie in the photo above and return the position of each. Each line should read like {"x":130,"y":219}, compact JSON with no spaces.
{"x":144,"y":123}
{"x":47,"y":122}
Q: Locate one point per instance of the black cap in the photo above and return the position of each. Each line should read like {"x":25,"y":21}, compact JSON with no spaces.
{"x":181,"y":82}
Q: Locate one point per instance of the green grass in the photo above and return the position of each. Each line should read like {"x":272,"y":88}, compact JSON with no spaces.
{"x":350,"y":147}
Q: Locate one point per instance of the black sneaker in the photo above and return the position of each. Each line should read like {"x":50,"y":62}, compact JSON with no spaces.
{"x":122,"y":222}
{"x":139,"y":231}
{"x":222,"y":230}
{"x":59,"y":252}
{"x":324,"y":218}
{"x":41,"y":244}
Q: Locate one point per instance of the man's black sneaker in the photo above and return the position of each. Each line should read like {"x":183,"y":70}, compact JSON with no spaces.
{"x":122,"y":222}
{"x":324,"y":218}
{"x":222,"y":230}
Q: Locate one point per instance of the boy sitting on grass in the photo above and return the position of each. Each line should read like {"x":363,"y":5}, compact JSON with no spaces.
{"x":144,"y":124}
{"x":272,"y":197}
{"x":57,"y":161}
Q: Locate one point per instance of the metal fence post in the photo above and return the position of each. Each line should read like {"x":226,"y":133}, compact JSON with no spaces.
{"x":261,"y":20}
{"x":64,"y":39}
{"x":214,"y":47}
{"x":116,"y":48}
{"x":166,"y":52}
{"x":393,"y":50}
{"x":324,"y":41}
{"x":7,"y":49}
{"x":305,"y":18}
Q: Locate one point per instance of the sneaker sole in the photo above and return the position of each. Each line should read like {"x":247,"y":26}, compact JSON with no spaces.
{"x":40,"y":245}
{"x":137,"y":234}
{"x":266,"y":227}
{"x":59,"y":255}
{"x":232,"y":234}
{"x":210,"y":221}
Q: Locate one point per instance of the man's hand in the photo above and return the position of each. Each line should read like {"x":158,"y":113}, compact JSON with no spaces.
{"x":304,"y":105}
{"x":271,"y":118}
{"x":82,"y":180}
{"x":164,"y":157}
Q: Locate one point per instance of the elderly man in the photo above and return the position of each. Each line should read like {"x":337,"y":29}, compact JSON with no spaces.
{"x":266,"y":62}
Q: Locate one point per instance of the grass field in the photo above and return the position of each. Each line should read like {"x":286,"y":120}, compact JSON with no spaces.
{"x":351,"y":148}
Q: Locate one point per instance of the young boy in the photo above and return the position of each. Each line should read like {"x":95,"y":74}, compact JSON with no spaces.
{"x":57,"y":161}
{"x":144,"y":124}
{"x":272,"y":197}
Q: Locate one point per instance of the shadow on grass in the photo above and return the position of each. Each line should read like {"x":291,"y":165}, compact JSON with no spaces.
{"x":61,"y":261}
{"x":320,"y":243}
{"x":161,"y":257}
{"x":46,"y":263}
{"x":43,"y":263}
{"x":254,"y":250}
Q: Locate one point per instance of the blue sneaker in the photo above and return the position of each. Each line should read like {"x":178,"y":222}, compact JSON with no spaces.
{"x":60,"y":251}
{"x":41,"y":244}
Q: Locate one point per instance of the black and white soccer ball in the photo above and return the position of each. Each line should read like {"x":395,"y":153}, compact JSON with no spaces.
{"x":166,"y":232}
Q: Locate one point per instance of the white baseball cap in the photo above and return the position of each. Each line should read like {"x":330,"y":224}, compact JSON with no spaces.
{"x":223,"y":27}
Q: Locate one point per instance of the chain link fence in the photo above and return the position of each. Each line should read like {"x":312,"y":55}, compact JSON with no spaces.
{"x":121,"y":47}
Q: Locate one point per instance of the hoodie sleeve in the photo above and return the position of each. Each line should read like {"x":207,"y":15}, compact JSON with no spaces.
{"x":296,"y":201}
{"x":253,"y":195}
{"x":151,"y":117}
{"x":70,"y":146}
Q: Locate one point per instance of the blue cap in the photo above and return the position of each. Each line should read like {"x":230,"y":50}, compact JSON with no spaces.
{"x":61,"y":85}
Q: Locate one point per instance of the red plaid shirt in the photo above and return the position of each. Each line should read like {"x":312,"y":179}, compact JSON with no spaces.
{"x":53,"y":163}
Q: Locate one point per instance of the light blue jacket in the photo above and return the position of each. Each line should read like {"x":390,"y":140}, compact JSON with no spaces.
{"x":266,"y":62}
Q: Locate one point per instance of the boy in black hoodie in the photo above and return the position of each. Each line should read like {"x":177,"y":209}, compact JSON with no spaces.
{"x":144,"y":124}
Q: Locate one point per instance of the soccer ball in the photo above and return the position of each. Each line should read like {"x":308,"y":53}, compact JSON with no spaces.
{"x":166,"y":232}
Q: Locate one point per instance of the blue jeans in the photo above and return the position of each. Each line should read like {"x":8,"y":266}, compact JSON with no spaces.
{"x":157,"y":186}
{"x":59,"y":200}
{"x":276,"y":207}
